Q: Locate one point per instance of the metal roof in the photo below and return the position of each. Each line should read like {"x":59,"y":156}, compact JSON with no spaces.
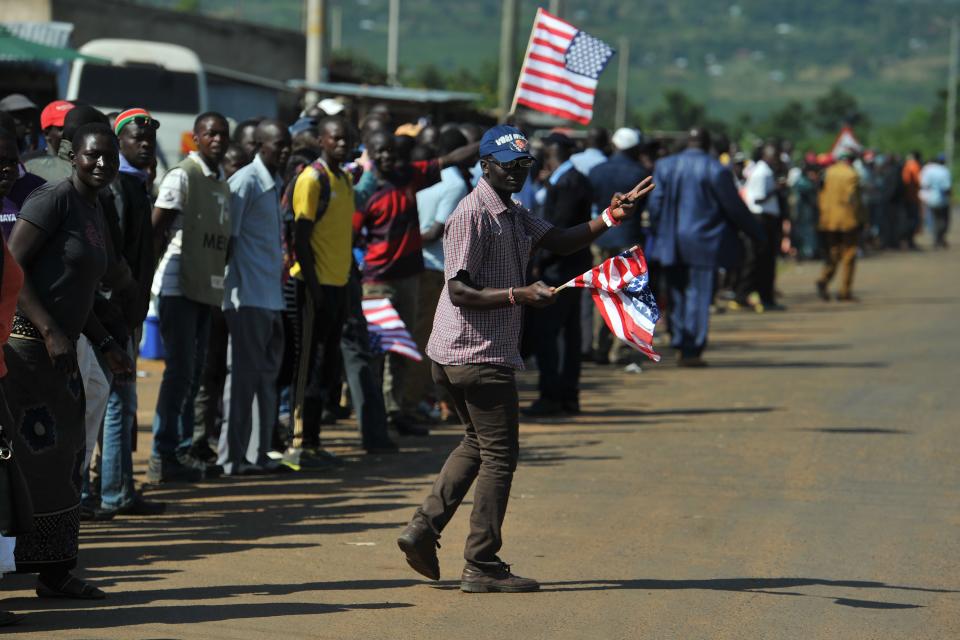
{"x":376,"y":92}
{"x":245,"y":78}
{"x":52,"y":34}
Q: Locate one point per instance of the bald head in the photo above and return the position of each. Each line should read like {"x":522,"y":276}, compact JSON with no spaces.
{"x":273,"y":144}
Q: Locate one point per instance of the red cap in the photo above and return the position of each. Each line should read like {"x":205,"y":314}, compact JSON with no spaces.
{"x":54,"y":113}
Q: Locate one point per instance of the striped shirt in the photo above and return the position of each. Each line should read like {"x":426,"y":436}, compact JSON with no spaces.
{"x":492,"y":242}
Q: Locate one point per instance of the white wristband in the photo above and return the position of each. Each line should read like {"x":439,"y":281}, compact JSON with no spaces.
{"x":608,"y":219}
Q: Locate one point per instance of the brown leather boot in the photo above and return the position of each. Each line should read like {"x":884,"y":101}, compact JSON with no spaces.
{"x":499,"y":580}
{"x":419,"y":543}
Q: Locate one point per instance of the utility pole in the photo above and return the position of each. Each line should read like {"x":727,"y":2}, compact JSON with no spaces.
{"x":393,"y":43}
{"x":315,"y":32}
{"x":557,"y":7}
{"x":336,"y":28}
{"x":508,"y":51}
{"x":623,"y":70}
{"x":948,"y":141}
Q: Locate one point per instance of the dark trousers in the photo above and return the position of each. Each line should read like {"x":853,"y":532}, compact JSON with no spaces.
{"x":839,"y":250}
{"x":690,"y":290}
{"x":759,"y":271}
{"x":359,"y":365}
{"x":208,"y":407}
{"x":318,"y":360}
{"x":558,"y":344}
{"x":256,"y":350}
{"x":940,"y":219}
{"x":185,"y":329}
{"x":487,"y":402}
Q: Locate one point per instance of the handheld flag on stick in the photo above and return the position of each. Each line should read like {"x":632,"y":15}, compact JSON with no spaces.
{"x":561,"y":69}
{"x":621,"y":291}
{"x":388,"y":330}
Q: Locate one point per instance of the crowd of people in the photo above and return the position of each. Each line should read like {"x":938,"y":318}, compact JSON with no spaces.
{"x":258,"y":248}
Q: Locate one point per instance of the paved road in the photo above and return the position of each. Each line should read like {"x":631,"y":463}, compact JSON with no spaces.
{"x":806,"y":485}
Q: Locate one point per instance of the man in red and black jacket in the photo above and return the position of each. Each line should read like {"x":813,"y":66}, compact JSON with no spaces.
{"x":394,"y":257}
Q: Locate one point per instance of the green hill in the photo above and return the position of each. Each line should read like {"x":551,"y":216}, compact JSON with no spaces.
{"x":737,"y":56}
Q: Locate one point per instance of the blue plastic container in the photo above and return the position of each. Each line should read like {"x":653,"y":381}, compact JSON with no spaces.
{"x":151,"y":344}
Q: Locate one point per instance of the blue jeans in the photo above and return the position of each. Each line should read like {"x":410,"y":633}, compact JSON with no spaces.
{"x":185,"y":330}
{"x":691,"y":289}
{"x":116,"y":475}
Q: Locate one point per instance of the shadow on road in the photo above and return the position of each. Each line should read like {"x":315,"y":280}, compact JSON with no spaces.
{"x":682,"y":411}
{"x":750,"y":585}
{"x":115,"y":616}
{"x":857,"y":430}
{"x":767,"y":364}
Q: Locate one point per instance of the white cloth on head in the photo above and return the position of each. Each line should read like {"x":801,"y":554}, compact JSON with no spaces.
{"x":625,"y":138}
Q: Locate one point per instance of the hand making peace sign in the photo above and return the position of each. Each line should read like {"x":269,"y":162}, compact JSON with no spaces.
{"x":622,"y":205}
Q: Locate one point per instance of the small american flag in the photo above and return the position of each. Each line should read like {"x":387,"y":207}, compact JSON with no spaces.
{"x":561,"y":69}
{"x":621,"y":291}
{"x":387,"y":330}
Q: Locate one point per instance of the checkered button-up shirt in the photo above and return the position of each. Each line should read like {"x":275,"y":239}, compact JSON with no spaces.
{"x":492,"y":242}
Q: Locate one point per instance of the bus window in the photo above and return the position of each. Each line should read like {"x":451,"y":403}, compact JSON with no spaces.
{"x":144,"y":85}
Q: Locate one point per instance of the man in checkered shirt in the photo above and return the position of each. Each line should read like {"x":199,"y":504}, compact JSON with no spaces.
{"x":475,"y":351}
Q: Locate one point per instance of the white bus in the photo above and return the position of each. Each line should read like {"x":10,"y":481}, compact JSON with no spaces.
{"x":166,"y":79}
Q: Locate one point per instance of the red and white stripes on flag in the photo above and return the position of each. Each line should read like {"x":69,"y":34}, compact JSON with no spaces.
{"x":384,"y":322}
{"x":622,"y":294}
{"x":561,"y":69}
{"x":614,"y":273}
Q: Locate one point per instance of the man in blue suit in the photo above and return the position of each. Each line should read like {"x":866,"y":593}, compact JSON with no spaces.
{"x":694,"y":215}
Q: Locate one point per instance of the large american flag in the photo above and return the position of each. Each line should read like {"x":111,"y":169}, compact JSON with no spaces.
{"x":387,"y":330}
{"x":621,"y":291}
{"x":560,"y":71}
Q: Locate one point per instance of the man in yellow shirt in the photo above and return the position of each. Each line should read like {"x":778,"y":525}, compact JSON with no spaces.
{"x":841,"y":218}
{"x":323,"y":206}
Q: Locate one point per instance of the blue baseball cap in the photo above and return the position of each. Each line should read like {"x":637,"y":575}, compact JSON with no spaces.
{"x":301,"y":125}
{"x":504,"y":143}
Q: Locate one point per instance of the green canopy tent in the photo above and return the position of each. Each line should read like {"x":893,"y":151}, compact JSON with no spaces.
{"x":14,"y":49}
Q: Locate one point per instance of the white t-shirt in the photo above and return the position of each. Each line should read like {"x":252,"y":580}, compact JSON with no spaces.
{"x":760,"y":190}
{"x":172,"y":195}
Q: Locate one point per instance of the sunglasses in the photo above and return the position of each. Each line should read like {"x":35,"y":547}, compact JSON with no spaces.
{"x":145,"y":121}
{"x":522,"y":163}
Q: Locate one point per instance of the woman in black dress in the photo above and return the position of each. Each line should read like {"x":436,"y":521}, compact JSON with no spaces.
{"x":60,"y":240}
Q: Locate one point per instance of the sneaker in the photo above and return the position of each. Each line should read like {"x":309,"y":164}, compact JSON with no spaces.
{"x":311,"y":460}
{"x":497,"y":580}
{"x":419,"y":543}
{"x":542,"y":408}
{"x":245,"y":469}
{"x":772,"y":306}
{"x":275,"y":467}
{"x":163,"y":470}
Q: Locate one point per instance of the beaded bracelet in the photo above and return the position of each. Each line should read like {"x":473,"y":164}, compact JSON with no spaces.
{"x":609,"y":219}
{"x":510,"y":297}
